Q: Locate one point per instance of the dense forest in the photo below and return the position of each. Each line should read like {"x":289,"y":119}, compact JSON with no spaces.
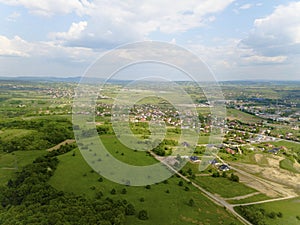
{"x":43,"y":134}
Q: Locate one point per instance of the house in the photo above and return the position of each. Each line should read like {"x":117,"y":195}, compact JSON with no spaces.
{"x":185,"y":144}
{"x":230,"y":151}
{"x":274,"y":151}
{"x":224,"y":167}
{"x":194,"y":158}
{"x":213,"y":162}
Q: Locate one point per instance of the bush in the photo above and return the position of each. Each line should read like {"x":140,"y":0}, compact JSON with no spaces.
{"x":216,"y":174}
{"x":143,"y":215}
{"x":180,"y":183}
{"x":113,"y":191}
{"x":99,"y":195}
{"x":129,"y":210}
{"x":191,"y":202}
{"x":234,"y":178}
{"x":272,"y":215}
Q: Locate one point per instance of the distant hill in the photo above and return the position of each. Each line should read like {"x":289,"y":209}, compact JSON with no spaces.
{"x":100,"y":80}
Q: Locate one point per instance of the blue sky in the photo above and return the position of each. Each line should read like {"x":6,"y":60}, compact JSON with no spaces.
{"x":237,"y":39}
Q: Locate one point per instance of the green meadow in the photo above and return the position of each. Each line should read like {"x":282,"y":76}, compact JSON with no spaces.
{"x":234,"y":114}
{"x":166,"y":202}
{"x":13,"y":162}
{"x":223,"y":186}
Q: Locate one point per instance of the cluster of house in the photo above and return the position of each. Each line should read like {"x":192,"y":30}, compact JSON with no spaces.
{"x":214,"y":162}
{"x":61,"y":92}
{"x":220,"y":166}
{"x":273,"y":149}
{"x":147,"y":112}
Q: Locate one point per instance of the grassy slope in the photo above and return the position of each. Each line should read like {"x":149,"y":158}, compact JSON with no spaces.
{"x":242,"y":116}
{"x":254,"y":198}
{"x":12,"y":162}
{"x":223,"y":186}
{"x":74,"y":175}
{"x":289,"y":208}
{"x":9,"y":134}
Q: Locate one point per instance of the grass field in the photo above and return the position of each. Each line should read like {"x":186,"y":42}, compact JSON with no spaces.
{"x":290,"y":145}
{"x":287,"y":164}
{"x":119,"y":151}
{"x":223,"y":186}
{"x":234,"y":114}
{"x":254,"y":198}
{"x":162,"y":207}
{"x":290,"y":210}
{"x":13,"y":162}
{"x":9,"y":134}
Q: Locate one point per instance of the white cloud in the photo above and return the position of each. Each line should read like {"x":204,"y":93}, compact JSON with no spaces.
{"x":51,"y":7}
{"x":114,"y":22}
{"x":230,"y":60}
{"x":278,"y":33}
{"x":13,"y":17}
{"x":13,"y":47}
{"x":18,"y":47}
{"x":266,"y":59}
{"x":246,"y":6}
{"x":73,"y":33}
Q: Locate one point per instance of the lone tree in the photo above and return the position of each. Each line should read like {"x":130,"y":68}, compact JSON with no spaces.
{"x":224,"y":174}
{"x":129,"y":210}
{"x":191,"y":202}
{"x":113,"y":191}
{"x":234,"y":178}
{"x":143,"y":215}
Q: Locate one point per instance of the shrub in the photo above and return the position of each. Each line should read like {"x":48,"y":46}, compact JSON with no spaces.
{"x":113,"y":191}
{"x":129,"y":210}
{"x":191,"y":202}
{"x":143,"y":215}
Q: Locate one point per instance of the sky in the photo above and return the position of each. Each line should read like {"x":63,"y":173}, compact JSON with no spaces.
{"x":238,"y":40}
